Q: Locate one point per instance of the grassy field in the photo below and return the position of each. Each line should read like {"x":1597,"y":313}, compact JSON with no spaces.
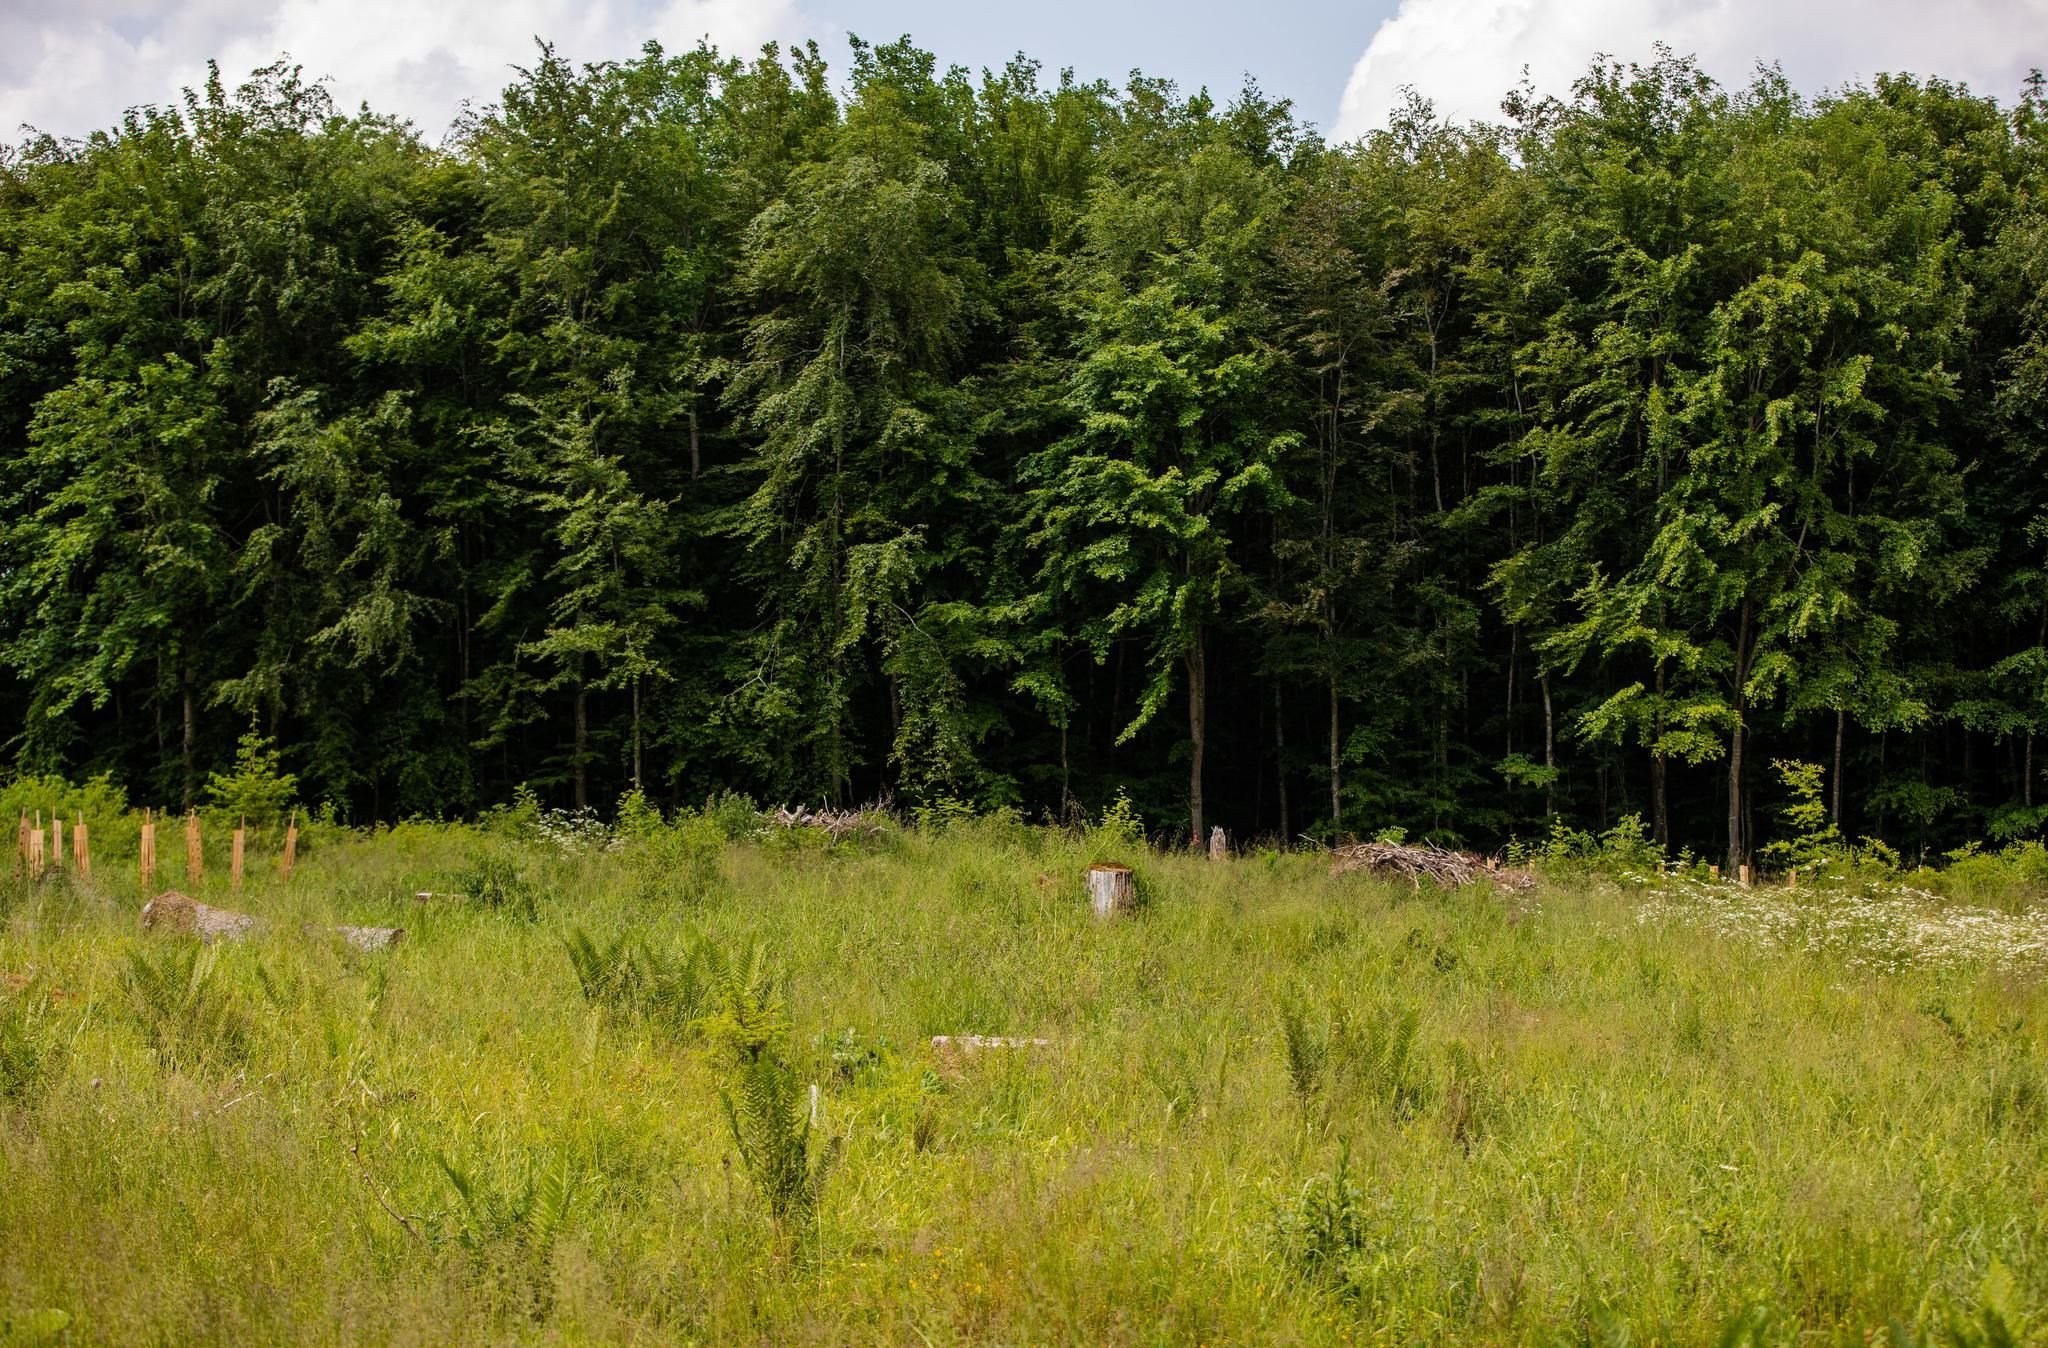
{"x":1276,"y":1105}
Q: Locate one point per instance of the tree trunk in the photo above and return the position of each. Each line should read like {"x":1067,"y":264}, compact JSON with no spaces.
{"x":1841,"y":731}
{"x":1336,"y":762}
{"x":2027,"y":775}
{"x":696,"y":446}
{"x":1660,"y":812}
{"x":636,"y":735}
{"x":1549,"y":751}
{"x":190,"y":749}
{"x":579,"y":772}
{"x":1737,"y":843}
{"x":1280,"y":754}
{"x":1198,"y":730}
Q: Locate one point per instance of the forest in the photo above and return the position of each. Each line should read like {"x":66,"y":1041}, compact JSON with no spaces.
{"x":700,"y":424}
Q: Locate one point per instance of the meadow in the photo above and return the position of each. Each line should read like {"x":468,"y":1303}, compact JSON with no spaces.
{"x":673,"y":1082}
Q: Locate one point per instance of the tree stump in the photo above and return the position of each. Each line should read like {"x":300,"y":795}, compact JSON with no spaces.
{"x":1112,"y":889}
{"x":1219,"y":846}
{"x":952,"y":1050}
{"x":371,"y":938}
{"x":175,"y":912}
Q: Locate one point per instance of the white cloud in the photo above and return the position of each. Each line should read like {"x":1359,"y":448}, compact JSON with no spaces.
{"x":1463,"y":55}
{"x":69,"y":66}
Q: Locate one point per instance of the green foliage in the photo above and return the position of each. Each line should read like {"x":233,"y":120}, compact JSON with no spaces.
{"x":693,"y":424}
{"x":186,"y":1007}
{"x":497,"y":876}
{"x":258,"y":789}
{"x":1325,"y":1226}
{"x":30,"y":1053}
{"x":771,"y":1122}
{"x":1813,"y":839}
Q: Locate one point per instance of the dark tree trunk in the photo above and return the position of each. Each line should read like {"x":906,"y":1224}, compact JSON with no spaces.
{"x":1549,"y":751}
{"x":190,"y":742}
{"x":1336,"y":760}
{"x":579,"y":767}
{"x":696,"y":446}
{"x":636,"y":735}
{"x":1841,"y":733}
{"x":1737,"y":842}
{"x":1198,"y":731}
{"x":1280,"y":759}
{"x":1660,"y":810}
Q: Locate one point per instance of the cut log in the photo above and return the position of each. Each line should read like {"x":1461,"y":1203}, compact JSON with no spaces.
{"x":1219,"y":845}
{"x":181,"y":913}
{"x":952,"y":1050}
{"x":1112,"y":889}
{"x":371,"y":938}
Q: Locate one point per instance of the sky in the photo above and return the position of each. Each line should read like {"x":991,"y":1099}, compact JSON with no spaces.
{"x":70,"y":66}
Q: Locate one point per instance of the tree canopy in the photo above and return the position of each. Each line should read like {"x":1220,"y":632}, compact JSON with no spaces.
{"x":694,"y":423}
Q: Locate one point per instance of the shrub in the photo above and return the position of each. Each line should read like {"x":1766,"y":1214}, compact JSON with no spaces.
{"x":1324,"y":1228}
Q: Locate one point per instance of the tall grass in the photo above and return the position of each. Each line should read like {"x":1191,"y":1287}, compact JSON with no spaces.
{"x":1276,"y":1106}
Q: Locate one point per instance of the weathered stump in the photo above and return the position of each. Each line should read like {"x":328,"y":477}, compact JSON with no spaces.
{"x":371,"y":938}
{"x":952,"y":1050}
{"x":1112,"y":889}
{"x":174,"y":912}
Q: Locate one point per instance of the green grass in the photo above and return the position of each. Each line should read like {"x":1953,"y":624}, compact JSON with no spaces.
{"x":1278,"y":1106}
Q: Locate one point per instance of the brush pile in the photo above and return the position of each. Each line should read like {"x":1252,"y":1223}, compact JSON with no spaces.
{"x":836,"y":824}
{"x":1416,"y":862}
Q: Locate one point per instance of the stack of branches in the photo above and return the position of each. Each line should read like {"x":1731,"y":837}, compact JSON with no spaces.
{"x":1416,"y":862}
{"x":836,"y":824}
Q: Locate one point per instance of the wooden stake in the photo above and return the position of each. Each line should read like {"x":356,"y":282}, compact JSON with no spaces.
{"x":56,"y":841}
{"x":1742,"y":872}
{"x":148,"y":854}
{"x":1793,"y":878}
{"x":291,"y":848}
{"x":1219,"y":845}
{"x":235,"y":862}
{"x":35,"y":849}
{"x":1714,"y":871}
{"x":81,"y":849}
{"x":195,"y":859}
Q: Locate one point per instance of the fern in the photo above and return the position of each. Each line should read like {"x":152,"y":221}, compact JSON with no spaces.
{"x":29,"y":1055}
{"x":184,"y":1009}
{"x":608,"y":974}
{"x":771,"y":1128}
{"x":1378,"y":1050}
{"x":748,"y":1011}
{"x":1307,"y":1046}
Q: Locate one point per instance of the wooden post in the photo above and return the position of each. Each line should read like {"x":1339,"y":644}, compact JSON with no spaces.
{"x":1742,"y":874}
{"x":235,"y":859}
{"x":148,"y":854}
{"x":1219,"y":846}
{"x":81,"y":849}
{"x":56,"y":841}
{"x":1111,"y":889}
{"x":1793,"y":878}
{"x":1714,"y":872}
{"x":195,"y":859}
{"x":291,"y":848}
{"x":35,"y":849}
